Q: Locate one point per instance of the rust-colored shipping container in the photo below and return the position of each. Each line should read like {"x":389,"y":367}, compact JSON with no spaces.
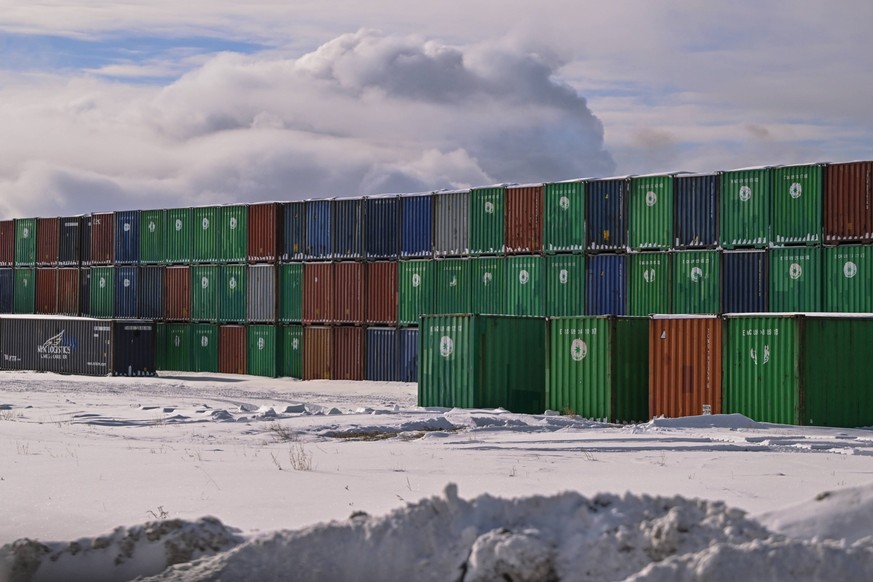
{"x":231,"y":349}
{"x":7,"y":243}
{"x":348,"y":292}
{"x":348,"y":353}
{"x":848,"y":202}
{"x":68,"y":291}
{"x":47,"y":237}
{"x":317,"y":292}
{"x":177,"y":293}
{"x":265,"y":222}
{"x":524,"y":219}
{"x":684,"y":366}
{"x":317,"y":353}
{"x":102,"y":238}
{"x":47,"y":291}
{"x":382,"y":292}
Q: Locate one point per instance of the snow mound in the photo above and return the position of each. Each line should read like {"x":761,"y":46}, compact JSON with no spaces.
{"x":733,"y":420}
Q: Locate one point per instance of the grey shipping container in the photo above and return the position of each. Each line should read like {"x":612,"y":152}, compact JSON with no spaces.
{"x":451,"y":230}
{"x":261,"y":293}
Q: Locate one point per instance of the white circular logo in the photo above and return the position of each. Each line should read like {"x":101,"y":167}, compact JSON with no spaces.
{"x":696,"y":274}
{"x":649,"y":275}
{"x":486,"y":278}
{"x":416,"y":279}
{"x":127,"y":282}
{"x":232,"y":283}
{"x":295,"y":344}
{"x":578,"y":349}
{"x":563,"y":276}
{"x":564,"y":203}
{"x":126,"y":227}
{"x":745,"y":193}
{"x":177,"y":341}
{"x":795,"y":271}
{"x":178,"y":224}
{"x":25,"y":232}
{"x":204,"y":341}
{"x":261,"y":343}
{"x":489,"y":208}
{"x":651,"y":198}
{"x":523,"y":277}
{"x":24,"y":282}
{"x":795,"y":190}
{"x":447,"y":346}
{"x":232,"y":223}
{"x":204,"y":282}
{"x":205,"y":223}
{"x":102,"y":282}
{"x":152,"y":227}
{"x":850,"y":269}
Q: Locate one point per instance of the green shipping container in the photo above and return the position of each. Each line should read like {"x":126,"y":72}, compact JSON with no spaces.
{"x":161,"y":346}
{"x":564,"y":226}
{"x":291,"y":293}
{"x":649,"y":286}
{"x":696,"y":282}
{"x":205,"y":227}
{"x":599,"y":367}
{"x":232,"y":294}
{"x":25,"y":242}
{"x":795,"y":279}
{"x":848,"y":279}
{"x":565,"y":285}
{"x":103,"y":292}
{"x":525,"y":287}
{"x":797,"y":204}
{"x":452,"y":290}
{"x":416,"y":291}
{"x":24,"y":291}
{"x":745,"y":208}
{"x":487,"y":221}
{"x":233,"y":233}
{"x":152,"y":236}
{"x":651,"y":212}
{"x":487,"y":290}
{"x":204,"y":347}
{"x":178,"y":355}
{"x":204,"y":293}
{"x":180,"y":235}
{"x":262,"y":358}
{"x":481,"y":361}
{"x":292,"y":351}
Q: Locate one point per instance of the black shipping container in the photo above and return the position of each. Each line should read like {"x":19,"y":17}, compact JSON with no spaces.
{"x":133,"y":348}
{"x":696,"y":211}
{"x":151,"y":292}
{"x":744,"y":280}
{"x":294,"y":232}
{"x":7,"y":284}
{"x":85,"y":292}
{"x":70,"y":240}
{"x":382,"y":238}
{"x":85,"y":241}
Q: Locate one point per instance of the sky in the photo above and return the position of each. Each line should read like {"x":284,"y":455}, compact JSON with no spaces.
{"x":156,"y":103}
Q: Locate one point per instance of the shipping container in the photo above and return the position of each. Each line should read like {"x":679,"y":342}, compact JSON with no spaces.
{"x":381,"y":292}
{"x":177,"y":293}
{"x":696,"y":282}
{"x":606,"y":285}
{"x":696,"y":211}
{"x":416,"y":226}
{"x":7,"y":243}
{"x":649,"y":284}
{"x":317,"y":292}
{"x":317,"y":353}
{"x":85,"y":291}
{"x":564,"y":220}
{"x":452,"y":292}
{"x":232,"y":294}
{"x":102,"y":246}
{"x":744,"y":212}
{"x":205,"y":283}
{"x":48,"y":231}
{"x":348,"y":353}
{"x":233,"y":233}
{"x":85,"y":241}
{"x":174,"y":349}
{"x":261,"y":300}
{"x":318,"y":225}
{"x":382,"y":238}
{"x":293,"y":231}
{"x":349,"y":286}
{"x":565,"y":285}
{"x":795,"y":279}
{"x":180,"y":235}
{"x":347,"y":230}
{"x":407,"y":348}
{"x":481,"y":361}
{"x":487,"y":220}
{"x":416,"y":290}
{"x":102,"y":292}
{"x":7,"y":288}
{"x":524,"y":219}
{"x":291,"y":358}
{"x":291,"y":293}
{"x":24,"y":294}
{"x":262,"y":358}
{"x":797,"y":204}
{"x":151,"y":292}
{"x":126,"y":292}
{"x":524,"y":286}
{"x":152,"y":237}
{"x":70,"y":241}
{"x":25,"y":242}
{"x":232,"y":355}
{"x":382,"y":357}
{"x":598,"y":367}
{"x":205,"y":226}
{"x":606,"y":214}
{"x":265,"y":238}
{"x":134,"y":348}
{"x":204,"y":347}
{"x":744,"y":282}
{"x":488,"y":285}
{"x":451,"y":223}
{"x":47,"y":291}
{"x":650,"y":210}
{"x":848,"y":279}
{"x":685,"y":366}
{"x":848,"y":202}
{"x":127,"y":237}
{"x":68,"y":292}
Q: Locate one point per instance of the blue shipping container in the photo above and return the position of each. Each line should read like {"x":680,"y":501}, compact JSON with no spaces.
{"x":85,"y":244}
{"x":85,"y":292}
{"x":381,"y":354}
{"x":126,"y":291}
{"x":348,"y":228}
{"x":133,"y":349}
{"x":294,"y":232}
{"x":606,"y":285}
{"x":7,"y":284}
{"x":383,"y":227}
{"x":69,"y":240}
{"x":416,"y":226}
{"x":744,"y":282}
{"x":318,"y":224}
{"x":127,"y":237}
{"x":606,"y":208}
{"x":151,"y":292}
{"x":696,"y":211}
{"x":407,"y":349}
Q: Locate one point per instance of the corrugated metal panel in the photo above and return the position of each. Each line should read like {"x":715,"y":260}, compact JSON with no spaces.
{"x":126,"y":292}
{"x":151,"y":292}
{"x":133,"y":348}
{"x":408,"y":355}
{"x":795,"y":279}
{"x":606,"y":214}
{"x":232,"y":349}
{"x":291,"y":293}
{"x":487,"y":221}
{"x":649,"y":283}
{"x":565,"y":285}
{"x":204,"y":346}
{"x":103,"y":292}
{"x":317,"y":292}
{"x":85,"y":291}
{"x":382,"y":357}
{"x":696,"y":207}
{"x":205,"y":226}
{"x":848,"y":279}
{"x":161,"y":349}
{"x":233,"y":233}
{"x":180,"y":235}
{"x":564,"y":228}
{"x":848,"y":202}
{"x":68,"y":292}
{"x":349,"y":304}
{"x":7,"y":287}
{"x":24,"y":295}
{"x":7,"y":243}
{"x":293,"y":231}
{"x":232,"y":294}
{"x":177,"y":293}
{"x":347,"y":230}
{"x":348,"y":353}
{"x":797,"y":204}
{"x":25,"y":242}
{"x":262,"y":303}
{"x":77,"y":346}
{"x":47,"y":291}
{"x":745,"y":208}
{"x":265,"y":232}
{"x":606,"y":285}
{"x":317,"y":353}
{"x":318,"y":225}
{"x":292,"y":351}
{"x":416,"y":290}
{"x":153,"y":237}
{"x":488,"y":285}
{"x":85,"y":250}
{"x":102,"y":238}
{"x":383,"y":227}
{"x":451,"y":234}
{"x":70,"y":240}
{"x":381,"y":292}
{"x":524,"y":219}
{"x":452,"y":293}
{"x":127,"y":237}
{"x":47,"y":239}
{"x":525,"y":287}
{"x":205,"y":287}
{"x":744,"y":282}
{"x":650,"y":210}
{"x":685,"y":366}
{"x":263,"y":351}
{"x":696,"y":282}
{"x":175,"y":350}
{"x":416,"y":226}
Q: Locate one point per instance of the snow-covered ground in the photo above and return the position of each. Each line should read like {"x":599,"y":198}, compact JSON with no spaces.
{"x":238,"y":478}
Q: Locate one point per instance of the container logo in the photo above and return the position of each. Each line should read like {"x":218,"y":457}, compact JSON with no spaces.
{"x":795,"y":271}
{"x":232,"y":283}
{"x":152,"y":227}
{"x":564,"y":203}
{"x":204,"y":341}
{"x":295,"y":344}
{"x":102,"y":282}
{"x":205,"y":223}
{"x":126,"y":227}
{"x":486,"y":278}
{"x":651,"y":198}
{"x":649,"y":275}
{"x":563,"y":276}
{"x":416,"y":280}
{"x":523,"y":277}
{"x":753,"y":353}
{"x":447,"y":346}
{"x":178,"y":224}
{"x":204,"y":282}
{"x":126,"y":283}
{"x":24,"y":282}
{"x":261,"y":343}
{"x":795,"y":190}
{"x":578,"y":350}
{"x":745,"y":193}
{"x":177,"y":341}
{"x":489,"y":208}
{"x":696,"y":274}
{"x":52,"y":348}
{"x":232,"y":223}
{"x":850,"y":269}
{"x":25,"y":232}
{"x":454,"y":281}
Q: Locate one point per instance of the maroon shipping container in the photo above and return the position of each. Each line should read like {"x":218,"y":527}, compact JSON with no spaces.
{"x":317,"y":353}
{"x":348,"y":353}
{"x":47,"y":291}
{"x":47,"y":235}
{"x":68,"y":291}
{"x":348,"y":293}
{"x":231,"y":349}
{"x":684,"y":366}
{"x":177,"y":293}
{"x":102,"y":238}
{"x":317,"y":292}
{"x":848,"y":202}
{"x":524,"y":219}
{"x":382,"y":292}
{"x":264,"y":232}
{"x":7,"y":243}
